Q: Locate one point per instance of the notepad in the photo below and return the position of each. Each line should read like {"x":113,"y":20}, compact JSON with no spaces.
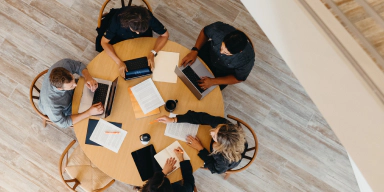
{"x":165,"y":63}
{"x":109,"y":141}
{"x":180,"y":131}
{"x":168,"y":152}
{"x":147,"y":96}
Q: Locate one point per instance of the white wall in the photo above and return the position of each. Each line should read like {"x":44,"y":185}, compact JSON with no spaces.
{"x":346,"y":101}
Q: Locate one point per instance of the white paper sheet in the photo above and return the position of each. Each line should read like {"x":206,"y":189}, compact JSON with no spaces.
{"x":165,"y":63}
{"x":168,"y":152}
{"x":180,"y":131}
{"x":109,"y":141}
{"x":147,"y":96}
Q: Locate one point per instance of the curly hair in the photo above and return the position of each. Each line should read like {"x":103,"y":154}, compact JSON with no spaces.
{"x":230,"y":142}
{"x":136,"y":18}
{"x":59,"y":76}
{"x":157,"y":183}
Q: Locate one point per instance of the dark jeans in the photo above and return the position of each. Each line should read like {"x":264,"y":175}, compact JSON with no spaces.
{"x":204,"y":54}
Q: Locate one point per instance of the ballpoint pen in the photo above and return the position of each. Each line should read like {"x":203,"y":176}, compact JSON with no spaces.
{"x":108,"y":132}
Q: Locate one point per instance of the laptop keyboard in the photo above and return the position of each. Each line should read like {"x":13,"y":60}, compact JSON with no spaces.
{"x":193,"y":77}
{"x":136,"y":64}
{"x":100,"y":94}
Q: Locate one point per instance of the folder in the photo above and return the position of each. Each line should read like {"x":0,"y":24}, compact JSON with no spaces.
{"x":137,"y":109}
{"x":145,"y":162}
{"x":91,"y":127}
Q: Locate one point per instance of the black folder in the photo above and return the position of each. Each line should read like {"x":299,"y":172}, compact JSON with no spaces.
{"x":91,"y":127}
{"x":145,"y":162}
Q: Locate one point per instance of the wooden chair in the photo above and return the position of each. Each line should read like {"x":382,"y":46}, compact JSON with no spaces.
{"x":101,"y":14}
{"x":255,"y":148}
{"x":81,"y":171}
{"x":32,"y":97}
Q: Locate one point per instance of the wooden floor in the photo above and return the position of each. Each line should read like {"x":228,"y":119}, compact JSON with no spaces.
{"x":297,"y":149}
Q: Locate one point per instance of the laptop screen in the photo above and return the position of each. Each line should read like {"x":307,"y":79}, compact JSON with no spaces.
{"x":112,"y":93}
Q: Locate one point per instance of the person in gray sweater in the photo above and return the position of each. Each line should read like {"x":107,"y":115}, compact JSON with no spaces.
{"x":57,"y":90}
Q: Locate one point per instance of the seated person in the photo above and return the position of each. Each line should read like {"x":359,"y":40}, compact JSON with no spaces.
{"x":228,"y":144}
{"x":227,"y":52}
{"x":160,"y":183}
{"x":132,"y":22}
{"x":57,"y":90}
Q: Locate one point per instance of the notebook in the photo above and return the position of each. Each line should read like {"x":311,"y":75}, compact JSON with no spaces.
{"x":91,"y":127}
{"x":145,"y":162}
{"x":168,"y":152}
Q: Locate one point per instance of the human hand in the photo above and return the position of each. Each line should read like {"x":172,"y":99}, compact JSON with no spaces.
{"x":165,"y":119}
{"x":96,"y":109}
{"x":91,"y":83}
{"x":194,"y":142}
{"x":189,"y":59}
{"x":205,"y":82}
{"x":151,"y":61}
{"x":122,"y":69}
{"x":179,"y":153}
{"x":169,"y":165}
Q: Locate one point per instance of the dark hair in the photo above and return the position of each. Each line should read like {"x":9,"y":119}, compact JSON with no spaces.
{"x":235,"y":41}
{"x":136,"y":18}
{"x":59,"y":76}
{"x":157,"y":183}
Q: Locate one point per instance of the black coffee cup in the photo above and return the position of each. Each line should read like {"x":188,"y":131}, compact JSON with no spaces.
{"x":170,"y":105}
{"x":144,"y":138}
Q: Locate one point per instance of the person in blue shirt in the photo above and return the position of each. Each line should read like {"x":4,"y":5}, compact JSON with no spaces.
{"x":133,"y":22}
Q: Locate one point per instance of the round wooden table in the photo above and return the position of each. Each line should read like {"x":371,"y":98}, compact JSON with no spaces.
{"x":120,"y":165}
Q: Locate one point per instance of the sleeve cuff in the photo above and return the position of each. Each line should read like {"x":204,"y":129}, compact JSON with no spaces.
{"x":203,"y":154}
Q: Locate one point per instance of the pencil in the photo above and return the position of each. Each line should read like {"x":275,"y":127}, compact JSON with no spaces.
{"x":154,"y":121}
{"x":107,"y":132}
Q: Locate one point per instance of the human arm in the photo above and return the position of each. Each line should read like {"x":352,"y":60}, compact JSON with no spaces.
{"x":200,"y":118}
{"x":95,"y":109}
{"x":192,"y":55}
{"x":160,"y":42}
{"x":216,"y":163}
{"x":207,"y":82}
{"x":89,"y":81}
{"x":108,"y":48}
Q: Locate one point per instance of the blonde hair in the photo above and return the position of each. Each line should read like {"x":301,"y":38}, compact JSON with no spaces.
{"x":230,"y":142}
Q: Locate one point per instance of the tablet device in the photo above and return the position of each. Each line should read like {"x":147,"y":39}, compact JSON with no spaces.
{"x":145,"y":162}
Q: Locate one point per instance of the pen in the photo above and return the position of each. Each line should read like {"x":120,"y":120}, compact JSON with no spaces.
{"x":180,"y":151}
{"x":108,"y":132}
{"x":154,"y":121}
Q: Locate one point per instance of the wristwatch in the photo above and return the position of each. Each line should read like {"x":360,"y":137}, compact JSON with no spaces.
{"x":154,"y":52}
{"x":195,"y":49}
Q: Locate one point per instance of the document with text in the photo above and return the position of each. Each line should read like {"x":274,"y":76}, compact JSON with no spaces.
{"x":180,"y":131}
{"x":108,"y":135}
{"x":168,"y":152}
{"x":147,"y":96}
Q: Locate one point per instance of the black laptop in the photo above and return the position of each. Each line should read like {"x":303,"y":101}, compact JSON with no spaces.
{"x":137,"y":68}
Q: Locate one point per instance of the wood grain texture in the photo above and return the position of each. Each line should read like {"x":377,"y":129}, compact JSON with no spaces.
{"x":298,"y":150}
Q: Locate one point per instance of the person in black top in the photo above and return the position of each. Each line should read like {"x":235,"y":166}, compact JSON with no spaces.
{"x":132,"y":22}
{"x":227,"y":51}
{"x":160,"y":183}
{"x":228,"y":144}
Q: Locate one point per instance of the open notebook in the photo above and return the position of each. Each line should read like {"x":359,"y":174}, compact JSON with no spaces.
{"x":168,"y":152}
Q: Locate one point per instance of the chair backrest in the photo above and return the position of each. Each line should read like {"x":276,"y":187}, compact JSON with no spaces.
{"x":32,"y":97}
{"x":255,"y":148}
{"x":101,"y":13}
{"x":64,"y":156}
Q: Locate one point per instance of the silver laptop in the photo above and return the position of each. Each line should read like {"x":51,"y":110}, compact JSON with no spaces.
{"x":105,"y":93}
{"x":188,"y":76}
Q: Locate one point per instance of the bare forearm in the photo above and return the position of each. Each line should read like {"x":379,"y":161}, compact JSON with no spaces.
{"x":227,"y":80}
{"x":86,"y":74}
{"x":78,"y":117}
{"x":161,"y":41}
{"x":201,"y":40}
{"x":108,"y":48}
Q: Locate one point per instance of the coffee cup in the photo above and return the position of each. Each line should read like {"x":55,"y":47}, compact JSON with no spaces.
{"x":144,"y":138}
{"x":170,"y":105}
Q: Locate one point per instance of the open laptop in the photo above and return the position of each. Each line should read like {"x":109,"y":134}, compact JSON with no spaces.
{"x":191,"y":74}
{"x":105,"y":93}
{"x":137,"y":68}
